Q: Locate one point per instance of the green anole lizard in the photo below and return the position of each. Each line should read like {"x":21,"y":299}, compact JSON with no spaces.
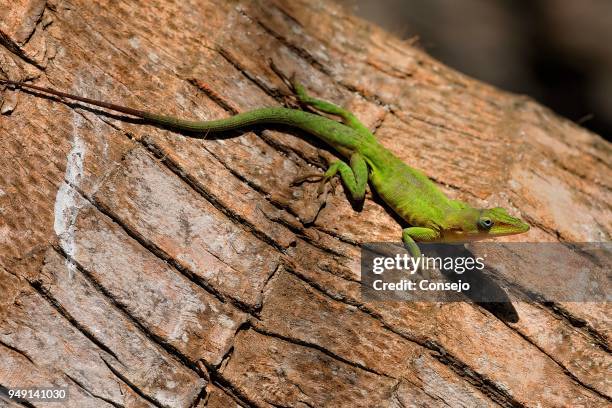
{"x":432,"y":216}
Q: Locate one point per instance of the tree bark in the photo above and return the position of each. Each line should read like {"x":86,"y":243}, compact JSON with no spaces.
{"x":145,"y":267}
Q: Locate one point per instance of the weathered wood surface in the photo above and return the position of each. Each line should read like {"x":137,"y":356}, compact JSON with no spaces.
{"x":141,"y":267}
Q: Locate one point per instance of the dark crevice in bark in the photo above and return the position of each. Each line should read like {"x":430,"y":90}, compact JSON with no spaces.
{"x":368,"y":97}
{"x":88,"y":392}
{"x":484,"y":384}
{"x":435,"y":125}
{"x":16,"y":350}
{"x":397,"y":399}
{"x":55,"y":304}
{"x":583,"y":177}
{"x":212,"y":95}
{"x":155,"y":339}
{"x":161,"y":254}
{"x":14,"y":48}
{"x":523,"y":293}
{"x":561,"y":366}
{"x":274,"y":93}
{"x":299,"y":51}
{"x":534,"y":222}
{"x":264,"y":288}
{"x":217,"y":379}
{"x":379,"y":123}
{"x":132,"y":386}
{"x":391,"y":70}
{"x":201,"y":398}
{"x":317,"y":347}
{"x":202,"y":191}
{"x":580,"y":324}
{"x":246,"y":325}
{"x":300,"y":234}
{"x":337,"y":235}
{"x":487,"y":386}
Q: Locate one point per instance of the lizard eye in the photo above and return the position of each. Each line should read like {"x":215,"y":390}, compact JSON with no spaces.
{"x":485,"y":223}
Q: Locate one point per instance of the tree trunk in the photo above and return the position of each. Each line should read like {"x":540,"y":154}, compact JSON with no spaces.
{"x":143,"y":267}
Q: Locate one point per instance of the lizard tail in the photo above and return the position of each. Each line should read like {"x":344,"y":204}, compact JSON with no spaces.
{"x":328,"y":130}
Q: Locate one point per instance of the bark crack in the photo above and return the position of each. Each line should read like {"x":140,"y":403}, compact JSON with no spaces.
{"x":217,"y":379}
{"x":565,"y":370}
{"x":487,"y":386}
{"x":18,"y":351}
{"x":435,"y":125}
{"x":210,"y":197}
{"x":155,"y":339}
{"x":132,"y":386}
{"x":11,"y":46}
{"x":89,"y":392}
{"x":274,"y":93}
{"x":299,"y":51}
{"x":317,"y":347}
{"x":596,"y":337}
{"x":55,"y":304}
{"x":161,"y":254}
{"x":579,"y":324}
{"x":482,"y":382}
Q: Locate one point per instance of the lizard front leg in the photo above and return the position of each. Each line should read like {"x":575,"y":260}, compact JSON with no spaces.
{"x":409,"y":235}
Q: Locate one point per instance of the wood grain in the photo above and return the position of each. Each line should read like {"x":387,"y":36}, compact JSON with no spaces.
{"x":145,"y":267}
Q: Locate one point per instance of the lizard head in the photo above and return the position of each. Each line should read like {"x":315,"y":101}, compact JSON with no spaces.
{"x":478,"y":224}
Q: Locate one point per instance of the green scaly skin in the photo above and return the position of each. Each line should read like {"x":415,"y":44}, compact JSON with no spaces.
{"x":433,"y":216}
